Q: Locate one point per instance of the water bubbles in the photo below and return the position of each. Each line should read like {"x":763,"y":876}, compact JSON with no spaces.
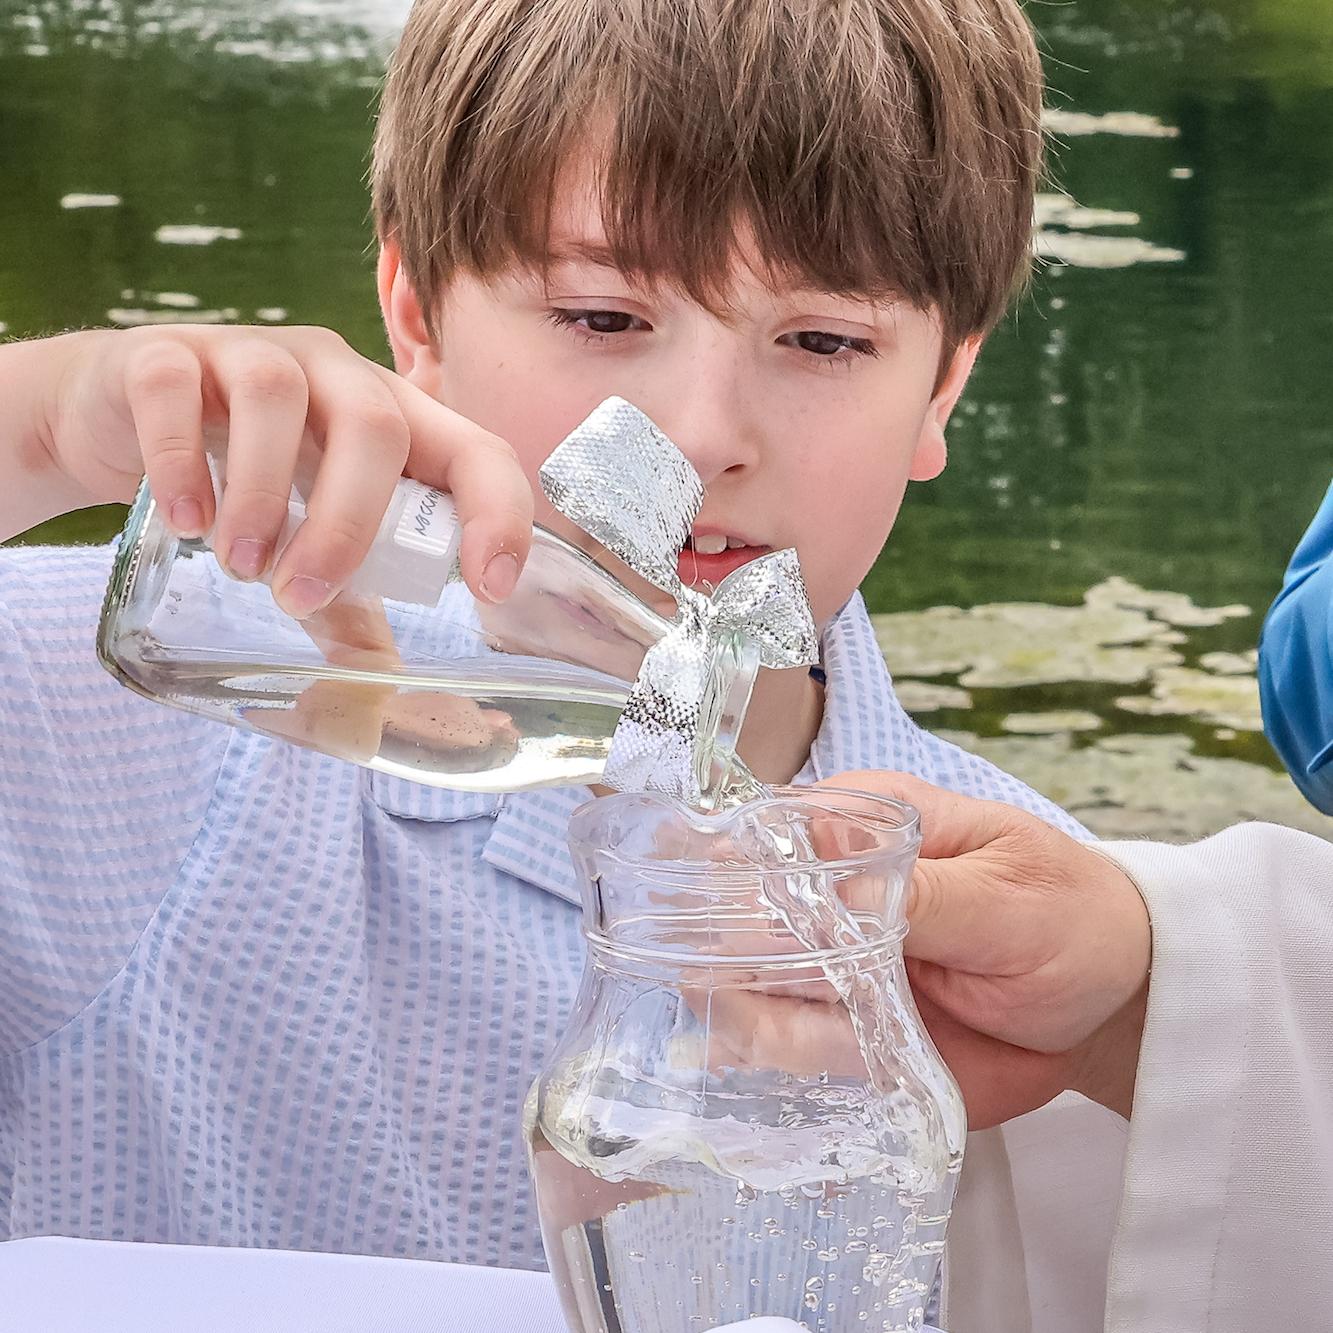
{"x":637,"y":1256}
{"x":811,"y":1300}
{"x":856,"y":1246}
{"x":697,"y":1279}
{"x":829,"y":1255}
{"x":877,"y":1269}
{"x":745,"y":1193}
{"x":809,"y":1245}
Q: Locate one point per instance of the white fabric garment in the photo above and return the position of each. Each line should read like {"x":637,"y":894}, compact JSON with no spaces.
{"x":1212,"y":1209}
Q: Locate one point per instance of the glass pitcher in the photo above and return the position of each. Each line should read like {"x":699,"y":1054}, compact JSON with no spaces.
{"x":709,"y":1141}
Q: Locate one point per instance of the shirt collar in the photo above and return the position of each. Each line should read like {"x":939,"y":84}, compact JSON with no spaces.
{"x":863,"y":727}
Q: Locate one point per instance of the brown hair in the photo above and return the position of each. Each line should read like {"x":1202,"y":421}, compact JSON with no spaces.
{"x":881,"y":148}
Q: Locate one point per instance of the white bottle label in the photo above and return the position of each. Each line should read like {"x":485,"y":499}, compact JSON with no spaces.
{"x":427,"y":523}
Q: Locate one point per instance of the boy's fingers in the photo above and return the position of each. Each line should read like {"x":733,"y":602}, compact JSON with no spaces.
{"x":365,"y":448}
{"x":163,"y":388}
{"x":492,"y":497}
{"x":267,"y":397}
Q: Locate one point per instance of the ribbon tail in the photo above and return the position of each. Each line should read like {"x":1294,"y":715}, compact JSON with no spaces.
{"x":653,"y":746}
{"x":766,"y":600}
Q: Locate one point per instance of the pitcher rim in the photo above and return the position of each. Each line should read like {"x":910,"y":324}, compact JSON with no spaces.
{"x":905,"y":834}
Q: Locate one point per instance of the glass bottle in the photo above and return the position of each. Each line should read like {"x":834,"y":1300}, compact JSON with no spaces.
{"x":405,"y":671}
{"x":720,"y":1135}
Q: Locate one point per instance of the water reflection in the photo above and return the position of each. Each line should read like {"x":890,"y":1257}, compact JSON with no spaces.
{"x":1156,"y":413}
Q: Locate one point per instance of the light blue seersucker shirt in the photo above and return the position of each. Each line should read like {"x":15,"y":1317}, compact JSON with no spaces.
{"x":251,"y":995}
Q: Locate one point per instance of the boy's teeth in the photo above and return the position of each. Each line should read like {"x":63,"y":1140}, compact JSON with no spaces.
{"x":713,"y":544}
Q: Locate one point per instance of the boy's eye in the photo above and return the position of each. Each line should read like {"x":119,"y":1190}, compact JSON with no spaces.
{"x":608,"y":321}
{"x":598,"y":321}
{"x":828,"y":344}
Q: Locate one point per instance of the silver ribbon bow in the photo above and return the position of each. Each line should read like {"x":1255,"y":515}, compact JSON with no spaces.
{"x":621,"y":480}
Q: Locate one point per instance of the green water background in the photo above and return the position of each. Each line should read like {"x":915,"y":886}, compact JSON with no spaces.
{"x":1166,"y":421}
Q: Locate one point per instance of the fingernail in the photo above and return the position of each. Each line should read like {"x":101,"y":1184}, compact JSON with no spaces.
{"x":302,"y":596}
{"x":187,"y":517}
{"x":247,"y":557}
{"x":499,"y":576}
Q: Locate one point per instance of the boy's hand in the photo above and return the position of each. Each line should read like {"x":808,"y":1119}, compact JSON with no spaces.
{"x":1028,"y":954}
{"x":137,"y":401}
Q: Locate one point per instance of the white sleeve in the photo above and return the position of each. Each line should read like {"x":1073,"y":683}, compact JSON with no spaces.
{"x":1214,"y":1214}
{"x":1228,"y":1195}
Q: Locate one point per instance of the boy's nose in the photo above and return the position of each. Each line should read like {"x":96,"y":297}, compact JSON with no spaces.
{"x":712,"y":427}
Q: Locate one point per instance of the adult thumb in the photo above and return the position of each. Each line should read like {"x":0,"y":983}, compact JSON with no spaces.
{"x":958,"y":914}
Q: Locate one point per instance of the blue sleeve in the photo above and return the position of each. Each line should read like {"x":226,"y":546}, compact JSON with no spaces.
{"x":101,"y":794}
{"x":1296,"y":663}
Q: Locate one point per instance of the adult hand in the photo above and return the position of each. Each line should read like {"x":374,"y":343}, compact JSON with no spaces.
{"x":1028,"y":953}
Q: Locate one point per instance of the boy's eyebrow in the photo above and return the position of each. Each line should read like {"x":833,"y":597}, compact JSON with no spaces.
{"x":584,"y":251}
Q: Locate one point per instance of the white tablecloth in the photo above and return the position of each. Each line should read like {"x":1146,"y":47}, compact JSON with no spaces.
{"x":55,"y":1285}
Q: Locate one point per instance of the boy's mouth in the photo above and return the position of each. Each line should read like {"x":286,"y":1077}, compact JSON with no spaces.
{"x":708,"y":557}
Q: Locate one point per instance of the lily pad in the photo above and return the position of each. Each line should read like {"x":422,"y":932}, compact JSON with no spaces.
{"x":1080,"y":250}
{"x":89,"y":201}
{"x":194,"y":234}
{"x":1029,"y":643}
{"x":1051,"y":723}
{"x":1062,"y":210}
{"x":1231,"y":664}
{"x":1220,"y":701}
{"x":919,"y":696}
{"x":1173,"y":607}
{"x":127,"y":318}
{"x":1149,"y":786}
{"x":1133,"y":124}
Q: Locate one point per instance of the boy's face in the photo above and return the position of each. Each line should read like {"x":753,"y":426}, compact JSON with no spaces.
{"x":805,"y":413}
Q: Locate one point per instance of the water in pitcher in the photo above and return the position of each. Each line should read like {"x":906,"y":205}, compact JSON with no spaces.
{"x":678,"y":1244}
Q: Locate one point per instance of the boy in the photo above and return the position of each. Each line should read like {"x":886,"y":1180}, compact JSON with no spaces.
{"x":251,"y":995}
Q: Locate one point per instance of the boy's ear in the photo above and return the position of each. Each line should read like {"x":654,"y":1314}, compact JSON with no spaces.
{"x":932,"y":450}
{"x":415,"y":356}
